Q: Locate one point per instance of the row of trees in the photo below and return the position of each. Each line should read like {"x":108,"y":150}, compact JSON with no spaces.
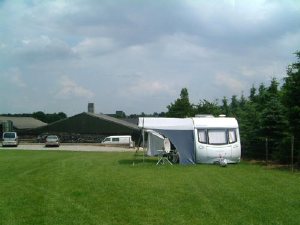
{"x":269,"y":113}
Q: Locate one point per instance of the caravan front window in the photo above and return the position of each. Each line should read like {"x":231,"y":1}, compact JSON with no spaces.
{"x":217,"y":137}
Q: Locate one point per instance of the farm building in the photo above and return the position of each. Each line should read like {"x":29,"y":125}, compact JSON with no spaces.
{"x":88,"y":125}
{"x":19,"y":124}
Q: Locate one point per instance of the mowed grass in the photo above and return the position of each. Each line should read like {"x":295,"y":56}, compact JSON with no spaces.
{"x":52,"y":187}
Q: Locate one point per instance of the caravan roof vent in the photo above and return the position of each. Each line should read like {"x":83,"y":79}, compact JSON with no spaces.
{"x":222,"y":115}
{"x":204,"y":116}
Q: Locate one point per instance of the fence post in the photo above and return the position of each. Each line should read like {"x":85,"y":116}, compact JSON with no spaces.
{"x":143,"y":134}
{"x":292,"y":153}
{"x":267,"y":152}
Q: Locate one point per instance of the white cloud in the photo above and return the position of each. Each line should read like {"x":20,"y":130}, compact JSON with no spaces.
{"x":70,"y":89}
{"x":94,"y":46}
{"x":184,"y":47}
{"x":151,"y":88}
{"x":15,"y":78}
{"x":2,"y":45}
{"x":227,"y":81}
{"x":33,"y":50}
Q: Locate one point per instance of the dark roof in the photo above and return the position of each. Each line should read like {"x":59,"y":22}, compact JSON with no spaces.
{"x":114,"y":120}
{"x":90,"y":123}
{"x":132,"y":120}
{"x":23,"y":122}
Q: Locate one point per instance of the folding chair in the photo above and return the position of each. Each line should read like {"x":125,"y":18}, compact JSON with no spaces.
{"x":162,"y":157}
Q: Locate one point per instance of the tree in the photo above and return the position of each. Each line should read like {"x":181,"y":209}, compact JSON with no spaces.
{"x":49,"y":117}
{"x":262,"y":97}
{"x":273,"y":88}
{"x":225,"y":107}
{"x":249,"y":124}
{"x":206,"y":107}
{"x":243,"y":101}
{"x":181,"y":107}
{"x":273,"y":126}
{"x":253,"y":96}
{"x":291,"y":95}
{"x":291,"y":99}
{"x":40,"y":116}
{"x":234,"y":106}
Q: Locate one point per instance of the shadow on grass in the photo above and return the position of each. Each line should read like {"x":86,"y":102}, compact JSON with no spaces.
{"x":137,"y":161}
{"x":138,"y":158}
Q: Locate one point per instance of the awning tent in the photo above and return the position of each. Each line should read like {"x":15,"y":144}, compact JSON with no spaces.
{"x":155,"y":142}
{"x":178,"y":131}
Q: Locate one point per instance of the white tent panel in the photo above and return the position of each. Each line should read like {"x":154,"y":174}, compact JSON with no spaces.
{"x":166,"y":123}
{"x":157,"y":142}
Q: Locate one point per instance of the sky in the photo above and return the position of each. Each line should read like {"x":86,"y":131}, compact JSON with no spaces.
{"x":136,"y":56}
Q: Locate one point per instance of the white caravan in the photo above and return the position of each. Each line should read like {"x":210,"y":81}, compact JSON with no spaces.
{"x":199,"y":139}
{"x":118,"y":140}
{"x":216,"y":138}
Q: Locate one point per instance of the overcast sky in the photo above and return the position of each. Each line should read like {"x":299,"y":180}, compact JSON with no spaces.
{"x":135,"y":55}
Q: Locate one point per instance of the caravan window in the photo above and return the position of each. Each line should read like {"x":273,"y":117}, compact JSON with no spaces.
{"x":115,"y":139}
{"x":232,"y":136}
{"x":202,"y":136}
{"x":217,"y":137}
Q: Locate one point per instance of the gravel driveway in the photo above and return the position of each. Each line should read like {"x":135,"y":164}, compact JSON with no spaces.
{"x":71,"y":147}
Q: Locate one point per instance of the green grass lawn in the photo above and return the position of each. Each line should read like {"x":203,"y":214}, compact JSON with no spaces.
{"x":52,"y":187}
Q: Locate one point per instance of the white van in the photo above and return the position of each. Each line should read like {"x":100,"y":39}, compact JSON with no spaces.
{"x":118,"y":140}
{"x":10,"y":139}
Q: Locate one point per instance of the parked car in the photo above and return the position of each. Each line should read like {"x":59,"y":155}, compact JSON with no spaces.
{"x":118,"y":140}
{"x":10,"y":139}
{"x":52,"y":140}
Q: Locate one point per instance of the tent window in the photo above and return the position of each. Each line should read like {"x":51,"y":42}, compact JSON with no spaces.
{"x":232,"y":136}
{"x":202,"y":136}
{"x":217,"y":137}
{"x":115,"y":139}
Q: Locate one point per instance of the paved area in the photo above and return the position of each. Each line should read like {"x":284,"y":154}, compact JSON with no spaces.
{"x":71,"y":147}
